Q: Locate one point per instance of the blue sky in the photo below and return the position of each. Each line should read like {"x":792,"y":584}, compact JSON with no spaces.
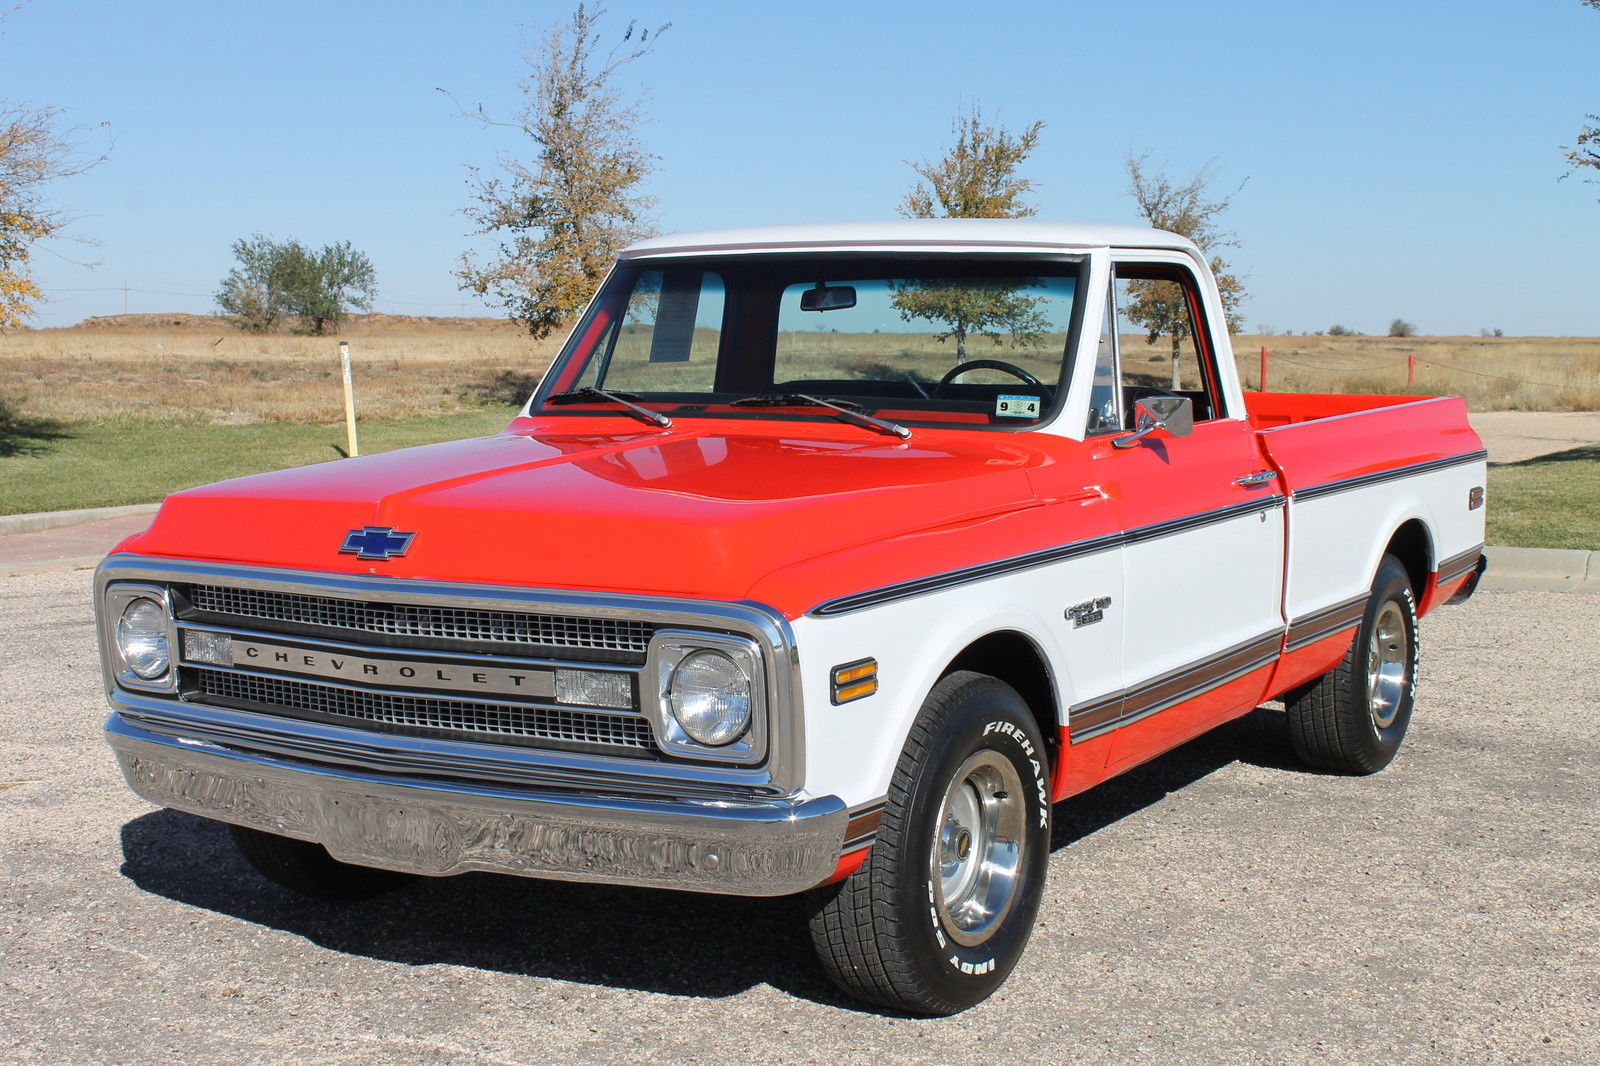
{"x":1400,"y":158}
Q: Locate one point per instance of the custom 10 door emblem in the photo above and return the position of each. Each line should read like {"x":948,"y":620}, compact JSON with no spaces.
{"x":1088,"y":612}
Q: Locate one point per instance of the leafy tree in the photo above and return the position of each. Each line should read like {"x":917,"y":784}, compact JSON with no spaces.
{"x":253,"y":294}
{"x":562,"y":218}
{"x":1585,"y":150}
{"x":1401,"y":328}
{"x":1337,"y":330}
{"x":322,"y":286}
{"x":977,"y":175}
{"x":35,"y":150}
{"x":1184,"y":207}
{"x":989,"y":308}
{"x":975,"y":178}
{"x":278,"y":279}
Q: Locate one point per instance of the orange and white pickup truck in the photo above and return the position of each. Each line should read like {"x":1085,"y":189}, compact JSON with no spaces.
{"x":824,"y":560}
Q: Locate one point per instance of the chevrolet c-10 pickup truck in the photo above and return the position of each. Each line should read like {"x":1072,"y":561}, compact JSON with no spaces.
{"x":823,"y":561}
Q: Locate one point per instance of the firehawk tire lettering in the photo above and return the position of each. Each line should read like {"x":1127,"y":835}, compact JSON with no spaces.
{"x":883,"y":933}
{"x":1041,"y":786}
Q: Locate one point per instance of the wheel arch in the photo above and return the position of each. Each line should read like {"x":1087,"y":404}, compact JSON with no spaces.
{"x":1412,"y":544}
{"x":1014,"y":657}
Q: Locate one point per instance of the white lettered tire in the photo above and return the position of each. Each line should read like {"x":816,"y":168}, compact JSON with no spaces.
{"x":940,"y":912}
{"x":1353,"y":719}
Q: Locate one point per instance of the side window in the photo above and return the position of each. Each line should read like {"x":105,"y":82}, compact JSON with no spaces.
{"x":1162,"y":337}
{"x":1105,"y":403}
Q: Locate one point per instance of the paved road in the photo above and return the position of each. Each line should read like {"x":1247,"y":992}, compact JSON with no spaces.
{"x":1512,"y":436}
{"x":1217,"y":906}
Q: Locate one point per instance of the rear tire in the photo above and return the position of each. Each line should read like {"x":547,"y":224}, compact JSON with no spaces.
{"x":940,"y":912}
{"x":1353,"y":719}
{"x":308,"y":869}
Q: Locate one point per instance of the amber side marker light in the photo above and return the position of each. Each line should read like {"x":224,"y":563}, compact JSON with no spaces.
{"x":854,"y":681}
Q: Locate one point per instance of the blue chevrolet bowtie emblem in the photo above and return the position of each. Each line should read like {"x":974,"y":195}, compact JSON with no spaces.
{"x":376,"y":542}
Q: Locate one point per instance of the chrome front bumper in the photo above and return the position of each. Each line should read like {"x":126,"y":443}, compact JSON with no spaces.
{"x":754,"y":847}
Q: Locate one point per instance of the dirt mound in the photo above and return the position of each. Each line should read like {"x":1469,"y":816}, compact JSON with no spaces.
{"x":381,"y":323}
{"x":355,"y":324}
{"x":169,"y":320}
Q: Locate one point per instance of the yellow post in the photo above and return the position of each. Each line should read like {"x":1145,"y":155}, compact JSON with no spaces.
{"x":349,"y":398}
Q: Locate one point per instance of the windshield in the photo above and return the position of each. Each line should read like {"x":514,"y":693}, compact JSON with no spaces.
{"x":945,"y":341}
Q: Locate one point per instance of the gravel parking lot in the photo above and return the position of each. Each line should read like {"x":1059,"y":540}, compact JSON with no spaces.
{"x":1220,"y":905}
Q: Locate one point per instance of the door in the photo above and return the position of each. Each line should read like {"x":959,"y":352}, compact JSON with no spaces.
{"x":1203,"y":523}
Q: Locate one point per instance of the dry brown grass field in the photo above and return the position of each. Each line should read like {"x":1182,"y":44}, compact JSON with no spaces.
{"x":197,"y":368}
{"x":1493,"y":373}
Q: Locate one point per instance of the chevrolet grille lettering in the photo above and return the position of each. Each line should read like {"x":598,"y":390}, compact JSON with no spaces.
{"x":476,"y":679}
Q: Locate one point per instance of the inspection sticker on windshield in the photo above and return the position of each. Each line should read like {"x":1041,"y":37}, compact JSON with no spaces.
{"x":1016,"y":406}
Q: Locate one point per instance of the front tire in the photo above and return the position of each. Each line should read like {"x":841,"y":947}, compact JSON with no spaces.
{"x":308,"y":869}
{"x":935,"y":919}
{"x":1353,"y":719}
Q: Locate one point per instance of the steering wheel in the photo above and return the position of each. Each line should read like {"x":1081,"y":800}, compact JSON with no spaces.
{"x":986,"y":364}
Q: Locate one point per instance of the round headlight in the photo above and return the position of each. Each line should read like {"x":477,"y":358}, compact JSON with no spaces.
{"x":142,"y":638}
{"x":710,"y":698}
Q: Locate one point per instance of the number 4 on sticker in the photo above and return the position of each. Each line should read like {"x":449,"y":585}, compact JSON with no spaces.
{"x":1016,"y":406}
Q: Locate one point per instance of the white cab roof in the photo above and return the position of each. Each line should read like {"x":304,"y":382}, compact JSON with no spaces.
{"x":931,"y":234}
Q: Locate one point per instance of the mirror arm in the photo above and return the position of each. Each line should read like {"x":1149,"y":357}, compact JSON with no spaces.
{"x":1147,"y":426}
{"x":1134,"y":438}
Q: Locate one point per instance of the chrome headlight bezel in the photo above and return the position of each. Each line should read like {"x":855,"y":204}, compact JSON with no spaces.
{"x":119,"y":598}
{"x":668,"y":649}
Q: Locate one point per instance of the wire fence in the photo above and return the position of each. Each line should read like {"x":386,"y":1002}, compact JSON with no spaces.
{"x":1412,"y":364}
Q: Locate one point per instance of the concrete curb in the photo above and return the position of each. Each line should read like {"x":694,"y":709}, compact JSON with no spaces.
{"x":29,"y":523}
{"x":1542,"y":569}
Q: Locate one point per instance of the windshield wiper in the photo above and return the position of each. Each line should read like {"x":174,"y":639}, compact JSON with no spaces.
{"x":589,"y":393}
{"x":843,"y":407}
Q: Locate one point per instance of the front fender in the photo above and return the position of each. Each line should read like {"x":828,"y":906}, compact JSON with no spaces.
{"x":852,"y":748}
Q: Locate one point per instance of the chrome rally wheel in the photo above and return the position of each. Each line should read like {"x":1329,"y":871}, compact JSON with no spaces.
{"x":1388,"y":665}
{"x":978,"y":847}
{"x":940,"y":912}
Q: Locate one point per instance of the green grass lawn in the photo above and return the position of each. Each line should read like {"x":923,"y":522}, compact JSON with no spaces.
{"x":1552,"y":501}
{"x":62,"y":466}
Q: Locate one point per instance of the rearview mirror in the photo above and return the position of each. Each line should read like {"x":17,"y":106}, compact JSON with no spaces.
{"x":828,"y":298}
{"x":1173,"y":415}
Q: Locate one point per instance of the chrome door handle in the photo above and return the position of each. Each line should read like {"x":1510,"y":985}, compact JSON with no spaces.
{"x":1260,"y":477}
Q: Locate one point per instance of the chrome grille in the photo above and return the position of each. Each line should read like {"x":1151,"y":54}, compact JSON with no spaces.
{"x":426,"y":622}
{"x":499,"y":722}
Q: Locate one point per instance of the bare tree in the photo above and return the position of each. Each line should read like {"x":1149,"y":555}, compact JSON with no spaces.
{"x":975,"y":178}
{"x":35,"y":151}
{"x":1184,"y":207}
{"x":1585,"y":150}
{"x":562,"y":218}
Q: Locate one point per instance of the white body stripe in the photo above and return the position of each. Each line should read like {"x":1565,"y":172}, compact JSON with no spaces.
{"x":851,"y":750}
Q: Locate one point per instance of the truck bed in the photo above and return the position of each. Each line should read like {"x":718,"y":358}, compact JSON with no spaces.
{"x":1317,"y":440}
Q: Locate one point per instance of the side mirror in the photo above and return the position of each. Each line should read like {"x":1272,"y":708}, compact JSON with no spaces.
{"x":828,"y":298}
{"x":1173,"y":415}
